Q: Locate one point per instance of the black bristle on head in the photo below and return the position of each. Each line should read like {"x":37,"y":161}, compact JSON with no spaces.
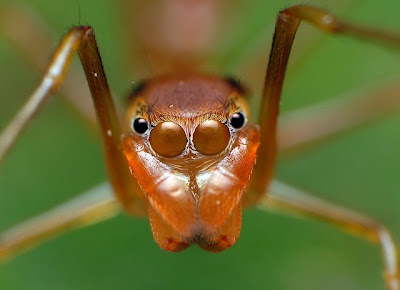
{"x":138,"y":87}
{"x":236,"y":84}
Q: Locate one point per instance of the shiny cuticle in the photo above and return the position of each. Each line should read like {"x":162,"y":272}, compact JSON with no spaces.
{"x":168,"y":139}
{"x":211,"y":137}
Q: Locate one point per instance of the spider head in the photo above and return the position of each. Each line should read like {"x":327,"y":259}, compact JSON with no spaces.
{"x":192,"y":152}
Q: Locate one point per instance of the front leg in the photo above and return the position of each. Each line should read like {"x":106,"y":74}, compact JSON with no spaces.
{"x":286,"y":27}
{"x":81,"y":39}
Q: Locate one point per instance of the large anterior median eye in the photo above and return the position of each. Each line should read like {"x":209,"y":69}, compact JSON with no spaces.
{"x":211,"y":137}
{"x":168,"y":139}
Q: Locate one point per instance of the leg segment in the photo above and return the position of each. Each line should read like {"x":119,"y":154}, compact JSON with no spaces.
{"x":50,"y":82}
{"x":32,"y":40}
{"x":93,"y":206}
{"x":285,"y":198}
{"x":285,"y":30}
{"x":82,"y":39}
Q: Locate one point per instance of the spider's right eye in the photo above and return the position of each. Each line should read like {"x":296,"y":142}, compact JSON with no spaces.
{"x":140,"y":125}
{"x":237,"y":120}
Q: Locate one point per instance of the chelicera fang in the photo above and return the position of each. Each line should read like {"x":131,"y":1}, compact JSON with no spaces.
{"x":187,"y":153}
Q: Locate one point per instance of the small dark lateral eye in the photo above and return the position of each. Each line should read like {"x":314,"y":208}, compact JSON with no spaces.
{"x":140,"y":125}
{"x":138,"y":87}
{"x":237,"y":120}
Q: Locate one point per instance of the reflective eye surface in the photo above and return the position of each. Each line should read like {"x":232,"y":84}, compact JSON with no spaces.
{"x":168,"y":139}
{"x":211,"y":137}
{"x":237,"y":120}
{"x":140,"y":125}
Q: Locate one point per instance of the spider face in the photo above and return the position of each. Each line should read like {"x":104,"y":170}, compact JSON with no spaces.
{"x":189,"y":147}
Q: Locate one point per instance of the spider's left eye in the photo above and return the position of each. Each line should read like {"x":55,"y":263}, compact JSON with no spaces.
{"x":140,"y":125}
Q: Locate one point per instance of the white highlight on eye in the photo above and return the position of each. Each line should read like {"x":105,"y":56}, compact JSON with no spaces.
{"x":109,"y":133}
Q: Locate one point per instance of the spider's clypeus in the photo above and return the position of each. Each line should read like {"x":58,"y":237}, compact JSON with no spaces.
{"x":300,"y":166}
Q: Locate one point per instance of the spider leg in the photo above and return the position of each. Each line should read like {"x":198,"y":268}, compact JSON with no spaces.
{"x":286,"y":27}
{"x":306,"y":127}
{"x":93,"y":206}
{"x":250,"y":61}
{"x":81,"y":39}
{"x":284,"y":198}
{"x":32,"y":39}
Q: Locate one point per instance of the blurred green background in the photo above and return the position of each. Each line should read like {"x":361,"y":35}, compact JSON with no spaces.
{"x":56,"y":159}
